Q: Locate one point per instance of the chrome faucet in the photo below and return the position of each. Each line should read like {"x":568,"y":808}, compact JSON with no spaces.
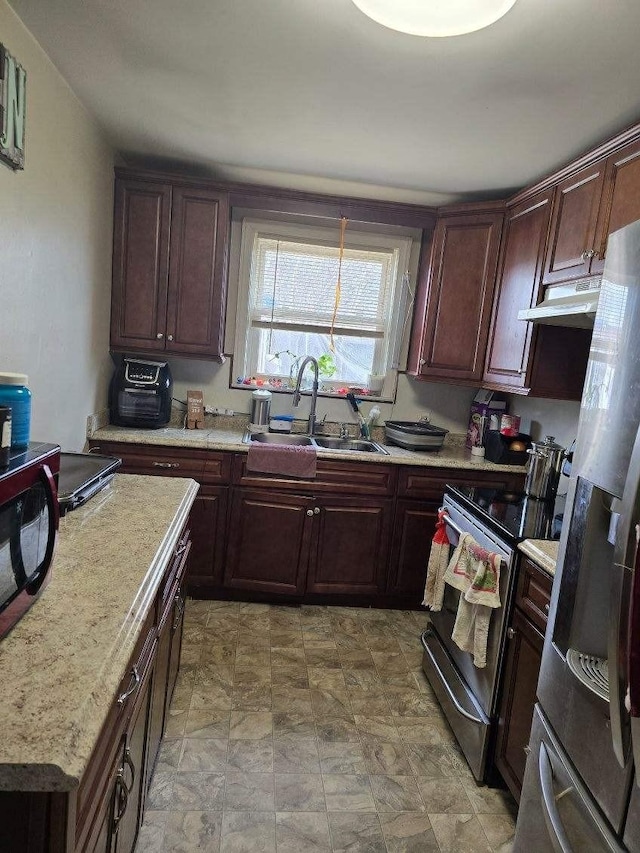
{"x":311,"y":427}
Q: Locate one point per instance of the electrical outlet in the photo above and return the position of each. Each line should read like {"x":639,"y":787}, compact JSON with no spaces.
{"x":210,"y":410}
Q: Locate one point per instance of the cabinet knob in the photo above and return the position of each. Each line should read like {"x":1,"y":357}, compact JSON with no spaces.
{"x":511,"y":633}
{"x":309,"y":512}
{"x":423,"y":361}
{"x":316,"y":510}
{"x":546,"y":608}
{"x":527,"y":749}
{"x":169,"y":337}
{"x":159,"y":336}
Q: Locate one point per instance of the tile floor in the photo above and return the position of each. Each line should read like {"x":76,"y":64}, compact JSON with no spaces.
{"x":301,"y":730}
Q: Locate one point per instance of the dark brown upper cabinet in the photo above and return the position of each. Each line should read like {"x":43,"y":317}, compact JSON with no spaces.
{"x":455,"y":294}
{"x":572,"y":238}
{"x":169,"y":269}
{"x":620,"y":204}
{"x":543,"y":361}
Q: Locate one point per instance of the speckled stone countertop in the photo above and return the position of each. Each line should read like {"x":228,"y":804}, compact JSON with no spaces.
{"x":61,"y":665}
{"x":453,"y":454}
{"x":544,"y":552}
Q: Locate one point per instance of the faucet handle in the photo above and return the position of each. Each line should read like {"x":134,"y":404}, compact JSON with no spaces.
{"x":344,"y":430}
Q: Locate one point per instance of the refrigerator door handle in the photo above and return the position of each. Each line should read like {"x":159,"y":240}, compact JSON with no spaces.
{"x":552,"y":817}
{"x":624,"y":669}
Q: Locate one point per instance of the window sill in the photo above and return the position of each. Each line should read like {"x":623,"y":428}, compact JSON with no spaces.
{"x":323,"y":391}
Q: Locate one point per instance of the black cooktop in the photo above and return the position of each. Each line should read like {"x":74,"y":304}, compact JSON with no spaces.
{"x":513,"y":514}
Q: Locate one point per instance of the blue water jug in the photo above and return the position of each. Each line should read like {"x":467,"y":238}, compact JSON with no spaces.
{"x":15,"y":394}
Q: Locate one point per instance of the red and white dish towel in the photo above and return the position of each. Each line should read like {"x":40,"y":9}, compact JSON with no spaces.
{"x":476,"y":573}
{"x":437,"y":566}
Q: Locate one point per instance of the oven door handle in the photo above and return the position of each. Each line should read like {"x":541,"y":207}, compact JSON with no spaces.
{"x":449,"y":522}
{"x":448,"y":690}
{"x":459,"y":530}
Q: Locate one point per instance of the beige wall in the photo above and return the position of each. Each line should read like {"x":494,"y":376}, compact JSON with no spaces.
{"x":55,"y":251}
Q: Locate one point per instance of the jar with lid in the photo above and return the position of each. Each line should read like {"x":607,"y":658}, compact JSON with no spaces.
{"x":15,"y":394}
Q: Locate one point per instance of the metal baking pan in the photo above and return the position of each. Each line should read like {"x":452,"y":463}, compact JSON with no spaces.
{"x":415,"y":435}
{"x":82,"y":475}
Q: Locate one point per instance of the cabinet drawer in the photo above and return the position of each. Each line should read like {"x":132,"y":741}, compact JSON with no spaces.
{"x":202,"y":465}
{"x":429,"y":483}
{"x":91,"y":789}
{"x":353,"y":478}
{"x":534,"y":593}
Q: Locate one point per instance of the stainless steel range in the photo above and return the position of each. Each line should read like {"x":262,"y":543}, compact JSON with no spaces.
{"x":468,"y":694}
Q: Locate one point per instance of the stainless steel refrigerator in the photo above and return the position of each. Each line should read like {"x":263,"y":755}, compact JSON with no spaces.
{"x":580,"y":789}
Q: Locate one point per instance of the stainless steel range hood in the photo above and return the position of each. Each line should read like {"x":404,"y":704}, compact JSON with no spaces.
{"x":570,"y":304}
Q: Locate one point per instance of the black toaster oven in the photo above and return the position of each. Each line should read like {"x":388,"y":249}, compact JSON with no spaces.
{"x":140,"y":393}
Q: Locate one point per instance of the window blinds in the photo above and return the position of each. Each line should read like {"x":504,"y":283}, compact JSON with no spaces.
{"x":292,"y":285}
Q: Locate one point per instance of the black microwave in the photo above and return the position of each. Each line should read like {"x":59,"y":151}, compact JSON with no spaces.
{"x":29,"y":516}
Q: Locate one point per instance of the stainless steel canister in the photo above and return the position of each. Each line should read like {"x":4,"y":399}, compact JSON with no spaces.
{"x":545,"y":462}
{"x":260,"y":410}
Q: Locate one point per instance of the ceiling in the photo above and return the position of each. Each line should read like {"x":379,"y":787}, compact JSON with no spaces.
{"x":311,"y":94}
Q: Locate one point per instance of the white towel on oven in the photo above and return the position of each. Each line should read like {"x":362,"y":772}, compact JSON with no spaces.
{"x":476,"y":573}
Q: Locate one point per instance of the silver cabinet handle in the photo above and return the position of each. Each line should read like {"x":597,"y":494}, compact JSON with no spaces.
{"x":133,"y":686}
{"x":511,"y":633}
{"x":181,"y":549}
{"x":166,"y":464}
{"x":129,"y":762}
{"x":179,"y":603}
{"x":159,"y":336}
{"x":122,"y":799}
{"x":309,"y":512}
{"x":552,"y":818}
{"x":444,"y":683}
{"x":316,"y":510}
{"x":169,"y":337}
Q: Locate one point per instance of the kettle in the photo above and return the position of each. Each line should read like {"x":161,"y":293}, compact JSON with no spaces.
{"x":545,"y":462}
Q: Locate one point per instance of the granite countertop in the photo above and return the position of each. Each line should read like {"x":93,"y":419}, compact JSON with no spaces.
{"x":61,"y":665}
{"x":453,"y":454}
{"x":544,"y":552}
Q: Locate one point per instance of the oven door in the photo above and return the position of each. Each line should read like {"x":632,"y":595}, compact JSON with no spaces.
{"x":468,"y":695}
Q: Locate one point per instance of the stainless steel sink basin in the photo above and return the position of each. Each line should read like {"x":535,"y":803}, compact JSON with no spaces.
{"x":321,"y":442}
{"x":275,"y":438}
{"x":360,"y":445}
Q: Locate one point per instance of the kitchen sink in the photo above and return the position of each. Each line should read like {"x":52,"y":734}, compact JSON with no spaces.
{"x":275,"y":438}
{"x":360,"y":445}
{"x":321,"y":442}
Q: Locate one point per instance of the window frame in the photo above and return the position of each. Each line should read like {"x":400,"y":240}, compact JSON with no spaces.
{"x":357,"y":237}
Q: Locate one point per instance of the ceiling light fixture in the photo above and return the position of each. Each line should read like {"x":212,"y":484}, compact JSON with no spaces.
{"x":435,"y":18}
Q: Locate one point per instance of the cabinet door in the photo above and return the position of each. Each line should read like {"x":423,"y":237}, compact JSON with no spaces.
{"x":129,"y":805}
{"x":519,"y":696}
{"x":208,"y":523}
{"x":197,"y":273}
{"x":140,"y":265}
{"x":159,"y":691}
{"x":350,"y":547}
{"x":519,"y":275}
{"x":460,"y":285}
{"x":573,"y":225}
{"x":620,"y":198}
{"x":269,"y":539}
{"x":413,"y":530}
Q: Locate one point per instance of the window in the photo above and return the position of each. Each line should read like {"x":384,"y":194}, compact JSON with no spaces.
{"x":287,"y":297}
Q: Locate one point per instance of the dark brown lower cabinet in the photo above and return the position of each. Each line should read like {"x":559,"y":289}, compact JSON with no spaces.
{"x":208,"y":523}
{"x":524,"y":654}
{"x":412,"y":532}
{"x":269,"y":541}
{"x":350,"y":546}
{"x":297,"y":544}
